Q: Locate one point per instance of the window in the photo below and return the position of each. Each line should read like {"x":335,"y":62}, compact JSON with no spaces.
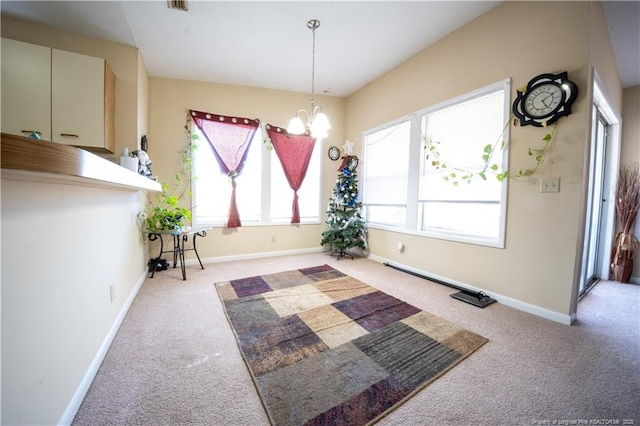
{"x":415,"y":170}
{"x":263,"y":195}
{"x":308,"y":194}
{"x":385,"y":174}
{"x":470,"y":208}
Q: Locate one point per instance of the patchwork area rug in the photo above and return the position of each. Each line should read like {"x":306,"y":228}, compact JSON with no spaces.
{"x":324,"y":348}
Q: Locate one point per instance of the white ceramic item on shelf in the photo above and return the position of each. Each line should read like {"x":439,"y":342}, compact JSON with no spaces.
{"x":129,"y":162}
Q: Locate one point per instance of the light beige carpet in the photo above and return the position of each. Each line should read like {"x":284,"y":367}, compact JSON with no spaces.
{"x":175,"y":359}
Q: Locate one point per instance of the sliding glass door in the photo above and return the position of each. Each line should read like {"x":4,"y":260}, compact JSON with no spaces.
{"x":592,"y":249}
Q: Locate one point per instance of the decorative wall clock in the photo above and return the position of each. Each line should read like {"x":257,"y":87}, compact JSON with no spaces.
{"x":334,"y":153}
{"x":546,"y":98}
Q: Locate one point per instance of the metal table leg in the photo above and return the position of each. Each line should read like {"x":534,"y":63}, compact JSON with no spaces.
{"x":181,"y":240}
{"x":198,"y":234}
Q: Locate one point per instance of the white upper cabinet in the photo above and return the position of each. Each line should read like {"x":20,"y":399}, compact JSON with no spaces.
{"x":78,"y":99}
{"x":70,"y":96}
{"x":26,"y":89}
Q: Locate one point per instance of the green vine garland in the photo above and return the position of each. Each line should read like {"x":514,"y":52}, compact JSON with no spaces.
{"x":456,"y":174}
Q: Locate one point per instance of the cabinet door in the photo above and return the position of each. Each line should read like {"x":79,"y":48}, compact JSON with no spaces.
{"x":26,"y":89}
{"x":77,"y":99}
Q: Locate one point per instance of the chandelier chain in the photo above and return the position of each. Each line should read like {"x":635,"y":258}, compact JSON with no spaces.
{"x":313,"y":64}
{"x":313,"y":25}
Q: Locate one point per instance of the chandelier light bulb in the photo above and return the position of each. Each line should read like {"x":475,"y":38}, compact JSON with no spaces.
{"x":320,"y":120}
{"x":296,"y":126}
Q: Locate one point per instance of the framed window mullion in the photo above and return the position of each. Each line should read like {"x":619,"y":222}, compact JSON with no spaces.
{"x":265,"y":195}
{"x":413,"y":171}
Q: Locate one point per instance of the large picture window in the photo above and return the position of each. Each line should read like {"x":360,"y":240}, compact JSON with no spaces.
{"x":263,"y":195}
{"x":416,"y":171}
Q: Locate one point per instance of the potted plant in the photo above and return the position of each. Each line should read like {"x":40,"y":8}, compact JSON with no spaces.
{"x":627,"y":204}
{"x":165,"y":214}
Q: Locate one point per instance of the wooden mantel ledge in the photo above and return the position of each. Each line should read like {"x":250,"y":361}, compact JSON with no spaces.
{"x":34,"y":159}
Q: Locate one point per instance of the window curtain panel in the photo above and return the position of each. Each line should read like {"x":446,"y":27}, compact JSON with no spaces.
{"x":294,"y":153}
{"x":230,"y":139}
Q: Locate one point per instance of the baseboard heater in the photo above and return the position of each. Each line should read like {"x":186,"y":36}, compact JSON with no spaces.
{"x":476,"y":298}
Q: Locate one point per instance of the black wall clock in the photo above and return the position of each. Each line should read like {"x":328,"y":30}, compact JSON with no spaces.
{"x":546,"y":98}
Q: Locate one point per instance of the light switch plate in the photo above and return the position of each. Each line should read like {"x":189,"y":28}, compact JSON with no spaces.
{"x":550,"y":184}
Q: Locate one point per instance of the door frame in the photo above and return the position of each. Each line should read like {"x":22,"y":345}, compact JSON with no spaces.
{"x":599,"y":97}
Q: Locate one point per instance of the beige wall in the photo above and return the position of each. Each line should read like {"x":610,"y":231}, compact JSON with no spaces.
{"x":63,"y":245}
{"x":630,"y":152}
{"x":601,"y":56}
{"x":536,"y":266}
{"x":142,"y":101}
{"x":123,"y":60}
{"x":169,"y":102}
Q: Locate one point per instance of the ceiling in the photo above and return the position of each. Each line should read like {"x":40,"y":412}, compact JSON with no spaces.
{"x":267,"y":43}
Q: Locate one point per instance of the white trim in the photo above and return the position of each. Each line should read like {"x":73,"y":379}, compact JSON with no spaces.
{"x":614,"y":147}
{"x":529,"y":308}
{"x":81,"y":391}
{"x":259,"y":255}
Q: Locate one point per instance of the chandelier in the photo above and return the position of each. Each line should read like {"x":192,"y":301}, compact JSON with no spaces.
{"x":317,"y":122}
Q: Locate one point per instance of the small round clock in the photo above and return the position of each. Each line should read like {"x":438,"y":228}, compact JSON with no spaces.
{"x":546,"y":98}
{"x":334,"y":153}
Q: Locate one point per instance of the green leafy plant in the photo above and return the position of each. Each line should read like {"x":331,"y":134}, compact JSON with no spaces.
{"x":163,"y":212}
{"x":538,"y":154}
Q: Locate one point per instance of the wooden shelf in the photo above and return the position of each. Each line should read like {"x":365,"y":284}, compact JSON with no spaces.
{"x":32,"y":159}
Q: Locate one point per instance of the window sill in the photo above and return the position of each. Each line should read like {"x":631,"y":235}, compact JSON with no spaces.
{"x":256,"y":224}
{"x":440,"y":236}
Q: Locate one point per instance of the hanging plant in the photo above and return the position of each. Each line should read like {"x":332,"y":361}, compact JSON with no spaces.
{"x":162,"y":212}
{"x":456,"y":174}
{"x":538,"y":154}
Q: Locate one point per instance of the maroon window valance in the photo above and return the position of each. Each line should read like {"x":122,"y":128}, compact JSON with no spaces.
{"x":230,"y":139}
{"x":294,"y":153}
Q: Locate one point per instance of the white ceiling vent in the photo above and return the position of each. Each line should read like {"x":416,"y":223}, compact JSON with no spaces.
{"x":178,"y":4}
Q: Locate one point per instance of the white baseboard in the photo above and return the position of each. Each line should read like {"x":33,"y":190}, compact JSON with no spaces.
{"x":505,"y":300}
{"x":76,"y":400}
{"x":220,"y":259}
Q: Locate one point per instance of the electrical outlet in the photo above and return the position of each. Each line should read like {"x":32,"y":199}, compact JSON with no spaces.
{"x":112,"y":292}
{"x":550,"y":184}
